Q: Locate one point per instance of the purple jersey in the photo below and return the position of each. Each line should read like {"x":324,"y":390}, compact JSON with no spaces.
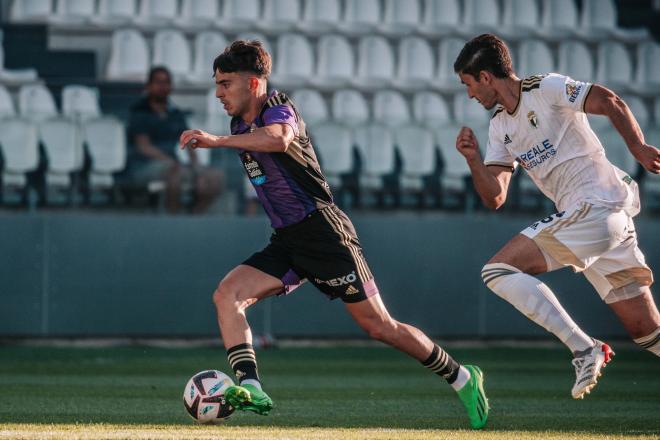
{"x":290,"y":185}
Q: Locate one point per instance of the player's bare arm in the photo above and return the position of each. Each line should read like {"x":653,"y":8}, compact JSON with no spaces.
{"x":272,"y":138}
{"x":602,"y":101}
{"x":491,"y":182}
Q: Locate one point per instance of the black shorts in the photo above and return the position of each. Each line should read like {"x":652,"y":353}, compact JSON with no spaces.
{"x":323,"y":249}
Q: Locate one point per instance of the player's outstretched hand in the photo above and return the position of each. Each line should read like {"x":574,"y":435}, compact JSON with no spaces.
{"x":649,"y":157}
{"x":467,"y":144}
{"x":197,"y":139}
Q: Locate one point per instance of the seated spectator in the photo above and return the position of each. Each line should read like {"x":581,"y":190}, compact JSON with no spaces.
{"x":153,"y":133}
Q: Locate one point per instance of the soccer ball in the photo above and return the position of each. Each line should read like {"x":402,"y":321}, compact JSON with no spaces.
{"x":204,"y":397}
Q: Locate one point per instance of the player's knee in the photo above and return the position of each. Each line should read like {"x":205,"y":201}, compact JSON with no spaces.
{"x":650,"y":342}
{"x":494,"y":273}
{"x":380,"y":330}
{"x":226,"y":295}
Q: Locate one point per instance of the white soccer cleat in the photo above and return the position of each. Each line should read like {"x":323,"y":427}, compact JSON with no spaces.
{"x":587,"y":368}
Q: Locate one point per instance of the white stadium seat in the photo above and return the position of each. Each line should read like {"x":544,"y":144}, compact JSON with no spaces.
{"x":207,"y":46}
{"x":106,"y":144}
{"x":647,"y":79}
{"x":129,"y":56}
{"x":455,"y":168}
{"x":416,"y":64}
{"x":31,"y":10}
{"x":390,"y":108}
{"x":401,"y":17}
{"x":361,"y":17}
{"x":320,"y":17}
{"x":534,"y":57}
{"x":468,"y":111}
{"x":576,"y":61}
{"x":614,"y":66}
{"x":7,"y":107}
{"x":19,"y":143}
{"x":599,"y":21}
{"x":417,"y":148}
{"x":280,"y":15}
{"x":336,"y":63}
{"x":480,"y":16}
{"x":80,"y":102}
{"x":14,"y":76}
{"x":446,"y":79}
{"x":520,"y":19}
{"x":35,"y":102}
{"x":375,"y":63}
{"x":440,"y":18}
{"x":430,"y":109}
{"x":311,"y":105}
{"x":115,"y":12}
{"x":559,"y":20}
{"x":198,"y":13}
{"x":171,"y":50}
{"x":239,"y":15}
{"x":349,"y":107}
{"x":375,"y":143}
{"x":64,"y":150}
{"x":74,"y":11}
{"x":334,"y":144}
{"x":294,"y":61}
{"x":157,"y":12}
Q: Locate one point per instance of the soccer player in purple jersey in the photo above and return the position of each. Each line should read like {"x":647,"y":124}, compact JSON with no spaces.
{"x":312,"y":239}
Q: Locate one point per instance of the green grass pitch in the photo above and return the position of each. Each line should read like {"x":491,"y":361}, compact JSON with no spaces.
{"x":319,"y":393}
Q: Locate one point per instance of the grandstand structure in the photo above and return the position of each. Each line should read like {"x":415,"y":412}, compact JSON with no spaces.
{"x":373,"y":79}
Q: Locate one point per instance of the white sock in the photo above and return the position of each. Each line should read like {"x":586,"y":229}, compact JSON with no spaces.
{"x":650,"y":342}
{"x":461,"y":379}
{"x":536,"y":301}
{"x":252,"y":382}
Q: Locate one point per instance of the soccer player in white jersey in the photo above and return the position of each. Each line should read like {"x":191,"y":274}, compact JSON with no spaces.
{"x":540,"y":124}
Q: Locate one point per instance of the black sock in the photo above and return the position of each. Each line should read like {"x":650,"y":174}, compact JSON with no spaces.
{"x":442,"y":364}
{"x":243,"y":361}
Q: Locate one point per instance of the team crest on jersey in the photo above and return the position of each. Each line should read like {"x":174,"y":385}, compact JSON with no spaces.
{"x":254,"y":171}
{"x":531,"y":116}
{"x":572,"y":90}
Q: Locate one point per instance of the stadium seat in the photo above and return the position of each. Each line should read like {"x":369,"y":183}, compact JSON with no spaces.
{"x":7,"y":107}
{"x":446,"y":79}
{"x":614,"y":66}
{"x":576,"y":61}
{"x":64,"y":152}
{"x":129,"y":57}
{"x":31,"y":11}
{"x":115,"y":12}
{"x":520,"y":19}
{"x":280,"y":16}
{"x":80,"y":102}
{"x":35,"y":102}
{"x":417,"y":148}
{"x":559,"y":20}
{"x":390,"y":108}
{"x":599,"y":22}
{"x":311,"y":105}
{"x":19,"y":143}
{"x":198,"y":13}
{"x":336,"y":65}
{"x":454,"y":167}
{"x":294,"y":61}
{"x":171,"y":50}
{"x":334,"y":144}
{"x":534,"y":57}
{"x":430,"y":109}
{"x":468,"y":111}
{"x":73,"y":11}
{"x":208,"y":45}
{"x":616,"y":150}
{"x":440,"y":18}
{"x":320,"y":17}
{"x":375,"y":63}
{"x":105,"y":139}
{"x":401,"y":17}
{"x":375,"y":144}
{"x":647,"y":80}
{"x":239,"y":15}
{"x":157,"y":12}
{"x":14,"y":76}
{"x":350,"y":108}
{"x":480,"y":16}
{"x":361,"y":17}
{"x":416,"y":64}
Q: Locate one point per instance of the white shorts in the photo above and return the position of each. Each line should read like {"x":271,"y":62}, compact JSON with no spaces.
{"x":595,"y":240}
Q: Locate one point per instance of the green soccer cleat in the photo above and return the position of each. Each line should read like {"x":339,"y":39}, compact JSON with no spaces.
{"x":474,"y":398}
{"x":249,"y":398}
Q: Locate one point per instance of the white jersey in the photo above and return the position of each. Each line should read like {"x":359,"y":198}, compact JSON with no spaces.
{"x":549,"y":136}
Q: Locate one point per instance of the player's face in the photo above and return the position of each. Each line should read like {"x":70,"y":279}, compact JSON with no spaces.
{"x":482,"y":91}
{"x":233,"y":90}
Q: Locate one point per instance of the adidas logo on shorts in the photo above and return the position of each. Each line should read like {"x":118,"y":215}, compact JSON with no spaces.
{"x":351,"y":290}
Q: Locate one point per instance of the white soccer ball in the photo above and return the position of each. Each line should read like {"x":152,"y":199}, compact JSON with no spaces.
{"x":204,"y":397}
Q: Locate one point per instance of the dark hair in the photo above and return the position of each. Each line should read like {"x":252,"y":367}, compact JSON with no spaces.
{"x":485,"y":52}
{"x":156,"y":70}
{"x":244,"y":56}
